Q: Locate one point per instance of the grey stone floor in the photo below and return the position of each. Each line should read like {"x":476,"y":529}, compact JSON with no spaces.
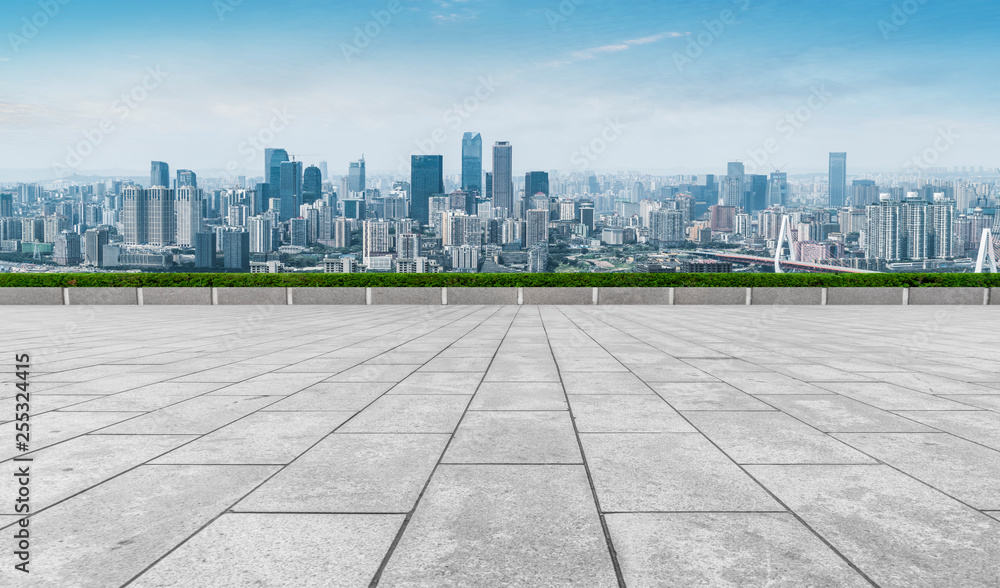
{"x":507,"y":446}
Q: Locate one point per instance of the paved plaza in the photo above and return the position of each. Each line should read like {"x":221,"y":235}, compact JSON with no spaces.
{"x":450,"y":446}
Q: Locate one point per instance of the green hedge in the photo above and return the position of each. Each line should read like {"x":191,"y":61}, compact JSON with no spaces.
{"x":618,"y":280}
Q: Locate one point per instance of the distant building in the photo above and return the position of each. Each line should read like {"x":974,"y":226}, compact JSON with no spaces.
{"x":159,"y":175}
{"x":67,"y":249}
{"x":356,"y":177}
{"x":838,"y":179}
{"x":236,"y":250}
{"x":706,"y":267}
{"x":426,"y":181}
{"x":204,"y":250}
{"x":472,"y":163}
{"x":503,"y":179}
{"x":94,"y":242}
{"x":312,"y":185}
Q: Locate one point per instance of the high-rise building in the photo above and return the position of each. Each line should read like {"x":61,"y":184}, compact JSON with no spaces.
{"x":733,"y":191}
{"x":942,"y":227}
{"x":356,"y":176}
{"x":503,"y":178}
{"x":6,"y":205}
{"x":261,"y":235}
{"x":777,"y":190}
{"x":376,"y":239}
{"x":186,"y":179}
{"x":914,"y":223}
{"x":667,"y":227}
{"x":67,"y":249}
{"x":312,"y":185}
{"x":536,"y":182}
{"x":161,"y":227}
{"x":488,"y":187}
{"x":94,"y":242}
{"x":273,"y":158}
{"x":298,"y":229}
{"x":426,"y":181}
{"x":757,"y":195}
{"x":472,"y":163}
{"x":159,"y":175}
{"x":204,"y":250}
{"x":863,"y":193}
{"x":838,"y":179}
{"x":342,"y":234}
{"x":135,"y":202}
{"x":537,"y":228}
{"x":883,"y":237}
{"x":408,"y":245}
{"x":291,"y":189}
{"x":236,"y":250}
{"x":188,"y":212}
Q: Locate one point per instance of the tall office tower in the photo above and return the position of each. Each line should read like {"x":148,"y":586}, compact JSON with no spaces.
{"x":355,"y":209}
{"x":438,"y":207}
{"x":327,"y":214}
{"x":733,"y":190}
{"x":503,"y":178}
{"x":536,"y":183}
{"x":67,"y":249}
{"x":261,"y":233}
{"x":537,"y":228}
{"x":6,"y":205}
{"x":838,"y":179}
{"x":356,"y":176}
{"x":488,"y":187}
{"x":159,"y":175}
{"x":376,"y":239}
{"x":186,"y":179}
{"x":236,"y":250}
{"x":472,"y":162}
{"x":342,"y":234}
{"x":667,"y":227}
{"x":324,"y":170}
{"x":188,"y":212}
{"x":291,"y":189}
{"x":426,"y":181}
{"x":204,"y":250}
{"x":408,"y":245}
{"x":53,"y":226}
{"x":161,"y":227}
{"x":863,"y":193}
{"x":757,"y":196}
{"x":914,"y":225}
{"x":135,"y":202}
{"x":312,"y":185}
{"x":777,"y":190}
{"x":298,"y":229}
{"x":587,"y":216}
{"x":93,"y":247}
{"x":883,"y":237}
{"x":273,"y":158}
{"x":942,"y":227}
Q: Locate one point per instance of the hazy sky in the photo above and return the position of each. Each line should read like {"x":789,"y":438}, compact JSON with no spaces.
{"x":650,"y":85}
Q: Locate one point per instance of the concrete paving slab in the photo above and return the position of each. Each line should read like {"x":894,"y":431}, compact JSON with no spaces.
{"x":410,"y":414}
{"x":62,"y":470}
{"x":626,"y":414}
{"x":55,"y":427}
{"x":707,"y":396}
{"x":514,"y":437}
{"x":504,"y":526}
{"x":192,"y":417}
{"x":980,"y":426}
{"x":839,"y":414}
{"x":272,"y":384}
{"x":148,"y":398}
{"x":604,"y":383}
{"x":897,"y":530}
{"x":352,"y":474}
{"x":519,"y":396}
{"x":959,"y":468}
{"x":334,"y":397}
{"x":669,"y":473}
{"x":110,"y":534}
{"x":300,"y":549}
{"x":890,"y":397}
{"x":731,"y":549}
{"x":772,"y":438}
{"x":421,"y":383}
{"x":259,"y":438}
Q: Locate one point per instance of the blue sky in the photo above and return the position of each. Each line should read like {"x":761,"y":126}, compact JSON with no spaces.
{"x":687,"y":86}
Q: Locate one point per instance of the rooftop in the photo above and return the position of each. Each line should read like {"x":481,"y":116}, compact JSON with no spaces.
{"x":507,"y":446}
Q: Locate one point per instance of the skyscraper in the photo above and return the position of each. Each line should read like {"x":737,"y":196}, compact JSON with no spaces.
{"x":838,"y":179}
{"x":472,"y":162}
{"x":187,"y":209}
{"x":777,"y":189}
{"x":503,"y":178}
{"x":186,"y":179}
{"x":312,"y":185}
{"x":733,"y":190}
{"x":6,"y":205}
{"x":273,"y":158}
{"x":161,"y":224}
{"x":135,"y":201}
{"x":236,"y":250}
{"x":426,"y":180}
{"x":291,"y":189}
{"x":536,"y":182}
{"x":204,"y":250}
{"x":356,"y":176}
{"x":159,"y":174}
{"x":537,"y":228}
{"x":94,"y":242}
{"x":757,"y":195}
{"x":488,"y":187}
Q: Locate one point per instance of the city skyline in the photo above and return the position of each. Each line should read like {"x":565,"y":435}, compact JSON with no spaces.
{"x":665,"y":86}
